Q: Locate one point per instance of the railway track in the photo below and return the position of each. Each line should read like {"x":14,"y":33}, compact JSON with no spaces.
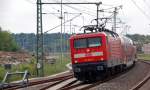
{"x":73,"y":84}
{"x":54,"y":81}
{"x":76,"y":85}
{"x":68,"y":82}
{"x":145,"y":80}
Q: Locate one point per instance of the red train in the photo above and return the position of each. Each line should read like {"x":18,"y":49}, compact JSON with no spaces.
{"x":96,"y":53}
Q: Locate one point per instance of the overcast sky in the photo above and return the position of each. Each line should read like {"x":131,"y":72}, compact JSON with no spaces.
{"x":20,"y":15}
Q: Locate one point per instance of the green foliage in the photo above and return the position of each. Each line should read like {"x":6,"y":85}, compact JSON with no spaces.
{"x":2,"y":73}
{"x":52,"y":42}
{"x":49,"y":69}
{"x":7,"y":43}
{"x":139,"y":40}
{"x":144,"y":56}
{"x":60,"y":66}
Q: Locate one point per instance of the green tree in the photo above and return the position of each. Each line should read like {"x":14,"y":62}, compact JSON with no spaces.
{"x":7,"y":43}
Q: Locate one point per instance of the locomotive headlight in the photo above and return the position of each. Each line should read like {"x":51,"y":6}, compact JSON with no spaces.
{"x":76,"y":61}
{"x":102,"y":59}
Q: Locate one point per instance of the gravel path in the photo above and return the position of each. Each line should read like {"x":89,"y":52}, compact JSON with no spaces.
{"x":127,"y":80}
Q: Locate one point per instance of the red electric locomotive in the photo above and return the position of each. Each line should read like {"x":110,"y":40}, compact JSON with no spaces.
{"x":94,"y":54}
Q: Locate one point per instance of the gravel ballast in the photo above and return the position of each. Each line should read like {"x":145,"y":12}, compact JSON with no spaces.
{"x":127,"y":80}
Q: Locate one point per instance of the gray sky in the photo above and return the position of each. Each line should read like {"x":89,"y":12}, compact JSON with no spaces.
{"x":20,"y":15}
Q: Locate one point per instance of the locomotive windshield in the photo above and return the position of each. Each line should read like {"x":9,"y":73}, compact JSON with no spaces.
{"x":80,"y":43}
{"x":87,"y":42}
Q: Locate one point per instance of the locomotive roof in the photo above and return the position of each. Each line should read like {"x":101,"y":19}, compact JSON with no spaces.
{"x":99,"y":32}
{"x":83,"y":35}
{"x":103,"y":33}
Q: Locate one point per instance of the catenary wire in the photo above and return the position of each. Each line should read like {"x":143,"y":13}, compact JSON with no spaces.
{"x":141,"y":10}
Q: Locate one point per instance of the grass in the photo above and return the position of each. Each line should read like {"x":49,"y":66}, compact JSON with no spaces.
{"x":144,"y":56}
{"x":2,"y":73}
{"x":49,"y":69}
{"x":60,"y":66}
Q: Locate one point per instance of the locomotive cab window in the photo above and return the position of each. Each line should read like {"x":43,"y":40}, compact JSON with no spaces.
{"x":80,"y":43}
{"x":94,"y":42}
{"x":87,"y":42}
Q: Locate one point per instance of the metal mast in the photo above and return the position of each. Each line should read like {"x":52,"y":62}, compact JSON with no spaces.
{"x":39,"y":36}
{"x":40,"y":53}
{"x":61,"y":43}
{"x":114,"y":19}
{"x":97,"y":14}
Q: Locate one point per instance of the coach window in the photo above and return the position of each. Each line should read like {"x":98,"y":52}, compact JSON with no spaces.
{"x":93,"y":42}
{"x":80,"y":43}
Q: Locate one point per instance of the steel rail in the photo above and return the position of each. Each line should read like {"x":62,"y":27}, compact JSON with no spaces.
{"x":141,"y":83}
{"x":32,"y":83}
{"x":52,"y":84}
{"x":91,"y":85}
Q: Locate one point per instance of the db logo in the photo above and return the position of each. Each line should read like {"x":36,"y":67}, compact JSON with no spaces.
{"x":87,"y":50}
